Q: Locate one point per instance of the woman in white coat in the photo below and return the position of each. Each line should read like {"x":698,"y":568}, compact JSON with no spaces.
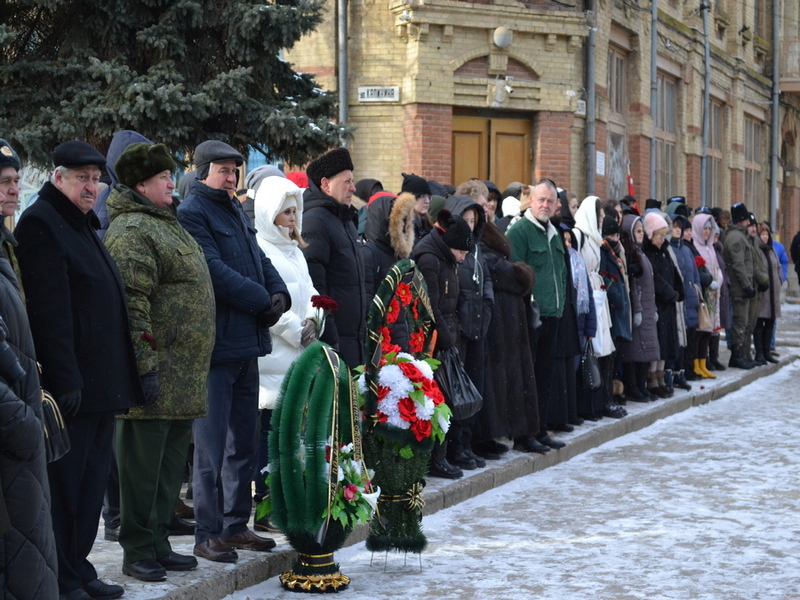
{"x":278,"y":220}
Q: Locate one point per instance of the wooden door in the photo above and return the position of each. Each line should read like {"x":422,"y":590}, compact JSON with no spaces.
{"x":470,"y":148}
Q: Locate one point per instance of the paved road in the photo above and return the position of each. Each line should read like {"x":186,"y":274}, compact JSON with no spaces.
{"x":703,"y":505}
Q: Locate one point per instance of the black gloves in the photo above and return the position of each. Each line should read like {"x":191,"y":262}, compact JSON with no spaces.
{"x":763,"y":287}
{"x":69,"y":403}
{"x":749,"y":293}
{"x":151,"y":385}
{"x":268,"y":318}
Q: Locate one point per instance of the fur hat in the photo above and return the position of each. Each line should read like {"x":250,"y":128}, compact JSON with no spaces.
{"x":416,"y":185}
{"x":329,"y":164}
{"x":8,"y":156}
{"x":683,"y":210}
{"x":457,"y":234}
{"x":610,"y":226}
{"x":214,"y":151}
{"x":140,"y":161}
{"x":652,"y":203}
{"x":653,"y":221}
{"x":76,"y":154}
{"x":739,"y":213}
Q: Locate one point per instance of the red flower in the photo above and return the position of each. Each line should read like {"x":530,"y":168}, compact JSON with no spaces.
{"x":326,"y":303}
{"x":421,"y":429}
{"x":411,"y":371}
{"x":408,"y":409}
{"x":613,"y":277}
{"x":393,"y":312}
{"x":350,"y":492}
{"x":699,"y":261}
{"x":417,"y":342}
{"x":404,"y":293}
{"x":382,"y":417}
{"x":387,"y":345}
{"x":415,"y":309}
{"x":431,"y":389}
{"x":603,"y":273}
{"x":327,"y":454}
{"x":382,"y":391}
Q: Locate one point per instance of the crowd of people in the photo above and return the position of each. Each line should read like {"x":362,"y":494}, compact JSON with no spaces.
{"x":164,"y":324}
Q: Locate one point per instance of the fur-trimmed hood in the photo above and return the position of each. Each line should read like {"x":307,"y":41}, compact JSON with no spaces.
{"x":390,"y":224}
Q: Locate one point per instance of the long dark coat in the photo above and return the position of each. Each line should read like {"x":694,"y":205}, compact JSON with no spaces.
{"x":335,"y":266}
{"x":27,"y":549}
{"x":511,"y":378}
{"x":643,"y":346}
{"x":769,"y":304}
{"x":76,"y":305}
{"x":668,"y":290}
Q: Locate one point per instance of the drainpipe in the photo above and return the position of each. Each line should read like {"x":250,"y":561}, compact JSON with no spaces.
{"x":776,"y":110}
{"x":590,"y":98}
{"x":653,"y":93}
{"x":341,"y":11}
{"x":706,"y":108}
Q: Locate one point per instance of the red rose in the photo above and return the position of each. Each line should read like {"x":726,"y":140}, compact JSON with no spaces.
{"x":431,"y":389}
{"x":326,"y":303}
{"x":382,"y":391}
{"x":411,"y":371}
{"x":417,"y":342}
{"x":408,"y":409}
{"x":350,"y":492}
{"x":394,"y":311}
{"x":699,"y":261}
{"x":404,"y":293}
{"x":421,"y":429}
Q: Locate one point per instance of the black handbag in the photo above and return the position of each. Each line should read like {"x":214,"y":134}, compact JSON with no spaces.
{"x":459,"y":392}
{"x":56,"y":438}
{"x":590,"y":368}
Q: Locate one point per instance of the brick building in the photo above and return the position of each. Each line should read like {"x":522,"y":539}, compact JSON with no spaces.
{"x":454,"y":63}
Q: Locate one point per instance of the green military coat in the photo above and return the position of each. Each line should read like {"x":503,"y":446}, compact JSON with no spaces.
{"x":170,"y":302}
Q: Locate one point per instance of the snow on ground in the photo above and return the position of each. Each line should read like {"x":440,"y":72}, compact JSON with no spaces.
{"x":702,"y":505}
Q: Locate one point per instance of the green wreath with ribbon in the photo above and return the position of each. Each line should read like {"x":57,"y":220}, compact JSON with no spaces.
{"x":399,"y":455}
{"x":314,"y":439}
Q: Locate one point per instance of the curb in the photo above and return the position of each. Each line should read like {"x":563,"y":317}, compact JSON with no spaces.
{"x":255,"y":568}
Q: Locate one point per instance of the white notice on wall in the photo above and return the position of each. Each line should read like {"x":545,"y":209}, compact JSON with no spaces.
{"x":601,"y":163}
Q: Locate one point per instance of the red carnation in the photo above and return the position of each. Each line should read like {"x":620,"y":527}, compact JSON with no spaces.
{"x":421,"y":429}
{"x":404,"y":293}
{"x":417,"y":342}
{"x":394,"y":311}
{"x":411,"y":371}
{"x":408,"y":410}
{"x":325,"y":303}
{"x":699,"y":261}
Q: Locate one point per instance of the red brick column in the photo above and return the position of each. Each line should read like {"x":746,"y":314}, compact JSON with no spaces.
{"x":737,"y":186}
{"x":552,"y":140}
{"x":692,"y":179}
{"x":428,"y":141}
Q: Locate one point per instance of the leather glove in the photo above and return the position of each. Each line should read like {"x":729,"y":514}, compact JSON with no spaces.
{"x":151,"y":385}
{"x":268,"y":318}
{"x":309,"y":334}
{"x":763,"y":287}
{"x":714,"y":285}
{"x":749,"y":293}
{"x":70,"y":403}
{"x":637,"y":319}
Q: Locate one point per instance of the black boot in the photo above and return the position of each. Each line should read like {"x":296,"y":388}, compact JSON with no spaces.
{"x":766,"y":342}
{"x":737,"y":361}
{"x":643,"y":379}
{"x":758,"y":334}
{"x":632,"y":391}
{"x":439,"y":465}
{"x":713,"y":355}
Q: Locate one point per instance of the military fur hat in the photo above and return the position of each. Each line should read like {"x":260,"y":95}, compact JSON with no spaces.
{"x":739,"y":213}
{"x":141,"y":161}
{"x":329,"y":164}
{"x":8,"y":157}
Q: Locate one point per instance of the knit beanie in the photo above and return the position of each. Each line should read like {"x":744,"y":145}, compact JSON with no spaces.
{"x":610,"y":226}
{"x":299,"y":178}
{"x":457,"y":234}
{"x":415,"y":185}
{"x":739,"y":212}
{"x":437,"y":189}
{"x":437,"y":204}
{"x":214,"y":151}
{"x":140,"y":161}
{"x":653,"y":221}
{"x":329,"y":164}
{"x":8,"y":156}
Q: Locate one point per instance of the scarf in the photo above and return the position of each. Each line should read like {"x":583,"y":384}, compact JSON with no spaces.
{"x":580,"y":280}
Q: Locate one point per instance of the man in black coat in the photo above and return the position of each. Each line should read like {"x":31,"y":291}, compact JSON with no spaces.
{"x":79,"y":321}
{"x":333,"y":257}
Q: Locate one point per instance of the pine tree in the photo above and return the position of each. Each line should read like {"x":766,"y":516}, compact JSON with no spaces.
{"x":178,"y":71}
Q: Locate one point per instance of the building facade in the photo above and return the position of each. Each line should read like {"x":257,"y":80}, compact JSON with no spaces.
{"x":497,"y":89}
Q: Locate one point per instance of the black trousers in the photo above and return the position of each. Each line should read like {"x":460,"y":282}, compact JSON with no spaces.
{"x":543,"y":346}
{"x":77,"y":485}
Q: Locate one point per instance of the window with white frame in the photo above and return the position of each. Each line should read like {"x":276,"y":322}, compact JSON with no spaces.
{"x":714,"y":165}
{"x":753,"y":156}
{"x":666,"y":138}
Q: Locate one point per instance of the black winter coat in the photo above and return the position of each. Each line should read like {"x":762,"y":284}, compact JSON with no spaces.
{"x":668,"y":290}
{"x":335,"y":266}
{"x":28,"y":563}
{"x":77,"y":306}
{"x":440,"y":270}
{"x":244,"y":278}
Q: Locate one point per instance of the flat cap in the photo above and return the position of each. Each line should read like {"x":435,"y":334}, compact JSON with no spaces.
{"x":8,"y":156}
{"x":216,"y":151}
{"x":75,"y":154}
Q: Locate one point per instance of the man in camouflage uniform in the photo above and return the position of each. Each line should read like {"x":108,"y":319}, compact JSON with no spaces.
{"x":171,"y":312}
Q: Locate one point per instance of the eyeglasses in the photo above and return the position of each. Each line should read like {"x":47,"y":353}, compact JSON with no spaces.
{"x":660,"y":236}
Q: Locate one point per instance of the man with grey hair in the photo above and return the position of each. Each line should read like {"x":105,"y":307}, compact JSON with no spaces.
{"x":79,"y":320}
{"x":536,"y":241}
